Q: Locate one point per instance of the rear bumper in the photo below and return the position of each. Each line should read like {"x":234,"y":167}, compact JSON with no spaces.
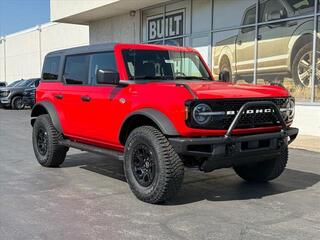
{"x":227,"y":151}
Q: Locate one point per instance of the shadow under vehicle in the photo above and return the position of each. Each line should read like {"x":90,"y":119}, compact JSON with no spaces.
{"x":11,"y":96}
{"x":284,"y":47}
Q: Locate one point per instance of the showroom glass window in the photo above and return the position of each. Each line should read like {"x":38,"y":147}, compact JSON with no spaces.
{"x":51,"y":68}
{"x":317,"y":73}
{"x":250,"y":16}
{"x":272,"y":10}
{"x":302,"y":7}
{"x":283,"y":28}
{"x":281,"y":9}
{"x":284,"y":48}
{"x":76,"y":69}
{"x":167,"y":24}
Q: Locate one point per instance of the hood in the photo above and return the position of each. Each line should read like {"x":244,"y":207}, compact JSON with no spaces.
{"x":11,"y":88}
{"x":216,"y":90}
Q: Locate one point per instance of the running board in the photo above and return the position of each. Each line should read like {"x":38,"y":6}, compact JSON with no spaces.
{"x":94,"y":149}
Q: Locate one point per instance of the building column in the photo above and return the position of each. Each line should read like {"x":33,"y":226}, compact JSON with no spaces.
{"x":40,"y":48}
{"x":3,"y":41}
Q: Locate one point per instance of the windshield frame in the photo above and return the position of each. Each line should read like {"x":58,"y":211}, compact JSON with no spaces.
{"x":124,"y":75}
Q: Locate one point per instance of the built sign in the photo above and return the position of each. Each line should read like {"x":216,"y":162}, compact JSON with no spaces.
{"x":170,"y":26}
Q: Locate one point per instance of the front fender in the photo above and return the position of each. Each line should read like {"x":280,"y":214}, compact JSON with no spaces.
{"x":160,"y":119}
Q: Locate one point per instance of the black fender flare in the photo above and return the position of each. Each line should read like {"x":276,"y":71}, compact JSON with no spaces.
{"x":46,"y":108}
{"x":160,"y":119}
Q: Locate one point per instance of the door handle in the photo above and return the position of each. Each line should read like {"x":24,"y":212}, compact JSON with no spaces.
{"x":86,"y":98}
{"x":259,"y":37}
{"x":59,"y":96}
{"x":239,"y":42}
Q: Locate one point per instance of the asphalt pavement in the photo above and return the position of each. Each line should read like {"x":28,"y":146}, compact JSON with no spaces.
{"x":88,"y":198}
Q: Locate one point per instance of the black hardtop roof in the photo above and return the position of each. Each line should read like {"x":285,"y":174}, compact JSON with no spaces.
{"x":84,"y":49}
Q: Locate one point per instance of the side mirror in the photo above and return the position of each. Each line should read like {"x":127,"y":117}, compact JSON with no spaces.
{"x":107,"y":77}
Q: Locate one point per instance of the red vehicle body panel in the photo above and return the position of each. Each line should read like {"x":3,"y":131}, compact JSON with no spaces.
{"x":99,"y":121}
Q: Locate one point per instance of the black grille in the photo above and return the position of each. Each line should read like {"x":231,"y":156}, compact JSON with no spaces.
{"x":252,"y":119}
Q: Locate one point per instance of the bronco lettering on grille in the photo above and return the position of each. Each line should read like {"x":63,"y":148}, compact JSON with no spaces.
{"x":250,"y":111}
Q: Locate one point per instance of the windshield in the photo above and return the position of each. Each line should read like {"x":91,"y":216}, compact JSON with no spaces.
{"x":164,"y":65}
{"x":301,"y":4}
{"x":14,"y":83}
{"x":25,"y":83}
{"x":22,"y":83}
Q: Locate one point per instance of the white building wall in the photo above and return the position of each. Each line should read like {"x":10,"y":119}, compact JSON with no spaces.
{"x":123,"y":28}
{"x":2,"y":62}
{"x":25,"y":50}
{"x":61,"y":9}
{"x":308,"y":120}
{"x":22,"y":55}
{"x":59,"y":36}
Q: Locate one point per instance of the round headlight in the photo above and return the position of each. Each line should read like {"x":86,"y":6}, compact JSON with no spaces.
{"x":201,"y":114}
{"x":5,"y":93}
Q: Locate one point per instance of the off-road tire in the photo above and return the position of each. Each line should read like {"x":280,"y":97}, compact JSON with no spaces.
{"x":14,"y":103}
{"x":56,"y":153}
{"x":169,"y":168}
{"x":305,"y":49}
{"x":263,"y":171}
{"x":225,"y":66}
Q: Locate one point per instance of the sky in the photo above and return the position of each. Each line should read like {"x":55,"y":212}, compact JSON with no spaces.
{"x":17,"y":15}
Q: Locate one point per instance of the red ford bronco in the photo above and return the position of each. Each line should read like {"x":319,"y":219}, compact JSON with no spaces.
{"x":158,"y":109}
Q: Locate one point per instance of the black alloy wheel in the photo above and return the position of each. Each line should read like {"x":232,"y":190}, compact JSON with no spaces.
{"x":153,"y":169}
{"x":17,"y":103}
{"x":143,"y":165}
{"x":45,"y":140}
{"x":42,"y":141}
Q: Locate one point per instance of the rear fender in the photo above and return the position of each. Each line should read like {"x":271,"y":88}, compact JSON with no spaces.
{"x":46,"y":108}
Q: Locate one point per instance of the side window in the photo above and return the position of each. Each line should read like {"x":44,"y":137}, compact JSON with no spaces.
{"x":51,"y":68}
{"x":249,"y":18}
{"x":76,"y":70}
{"x":273,"y":10}
{"x":101,"y":61}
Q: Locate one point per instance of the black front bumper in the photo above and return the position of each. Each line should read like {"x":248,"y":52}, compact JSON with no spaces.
{"x":221,"y":152}
{"x":230,"y":150}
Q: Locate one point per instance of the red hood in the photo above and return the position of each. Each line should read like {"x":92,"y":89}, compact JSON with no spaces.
{"x":211,"y":90}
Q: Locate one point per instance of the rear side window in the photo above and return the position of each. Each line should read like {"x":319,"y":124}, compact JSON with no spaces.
{"x":51,"y":68}
{"x":76,"y":69}
{"x":101,"y":61}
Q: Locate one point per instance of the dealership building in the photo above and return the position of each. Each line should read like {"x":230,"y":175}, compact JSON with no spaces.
{"x":22,"y":53}
{"x":249,"y":41}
